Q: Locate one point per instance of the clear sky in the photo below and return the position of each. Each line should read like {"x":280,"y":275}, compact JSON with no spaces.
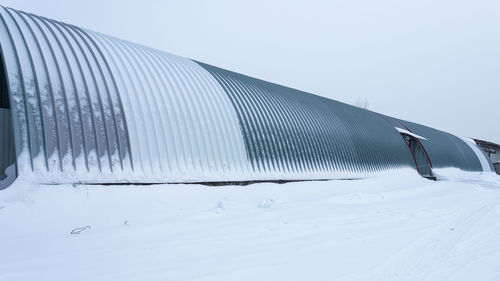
{"x":431,"y":62}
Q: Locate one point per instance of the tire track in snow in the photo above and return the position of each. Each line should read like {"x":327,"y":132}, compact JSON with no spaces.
{"x":425,"y":259}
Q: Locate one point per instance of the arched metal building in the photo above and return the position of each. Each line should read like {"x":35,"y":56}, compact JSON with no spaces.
{"x":80,"y":106}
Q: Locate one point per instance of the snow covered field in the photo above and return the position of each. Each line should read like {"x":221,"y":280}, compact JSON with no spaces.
{"x":396,"y":226}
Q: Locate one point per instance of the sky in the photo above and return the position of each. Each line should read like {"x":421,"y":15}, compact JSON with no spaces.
{"x":432,"y":62}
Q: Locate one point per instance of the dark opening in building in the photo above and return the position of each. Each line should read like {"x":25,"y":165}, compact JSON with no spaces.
{"x":7,"y":157}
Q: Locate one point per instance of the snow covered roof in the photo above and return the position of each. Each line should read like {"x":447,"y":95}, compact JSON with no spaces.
{"x":406,"y":132}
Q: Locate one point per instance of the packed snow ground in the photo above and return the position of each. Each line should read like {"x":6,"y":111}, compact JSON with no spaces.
{"x":396,"y":226}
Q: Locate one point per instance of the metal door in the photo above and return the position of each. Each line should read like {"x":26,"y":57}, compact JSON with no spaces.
{"x":422,"y":161}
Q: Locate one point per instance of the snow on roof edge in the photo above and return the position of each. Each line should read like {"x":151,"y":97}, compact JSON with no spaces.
{"x":406,"y":132}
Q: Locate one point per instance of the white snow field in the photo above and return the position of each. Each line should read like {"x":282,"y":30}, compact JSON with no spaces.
{"x":395,"y":226}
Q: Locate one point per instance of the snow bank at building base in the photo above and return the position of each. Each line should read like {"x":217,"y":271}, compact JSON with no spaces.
{"x":395,"y":226}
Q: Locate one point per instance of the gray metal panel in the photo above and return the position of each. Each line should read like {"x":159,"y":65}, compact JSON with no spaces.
{"x":68,"y":114}
{"x":296,"y":132}
{"x":66,"y":87}
{"x":182,"y":125}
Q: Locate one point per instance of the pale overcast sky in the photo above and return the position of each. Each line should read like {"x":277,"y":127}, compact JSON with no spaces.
{"x":429,"y":61}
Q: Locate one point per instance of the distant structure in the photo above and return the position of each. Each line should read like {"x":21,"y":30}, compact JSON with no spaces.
{"x":493,"y":152}
{"x":80,"y":106}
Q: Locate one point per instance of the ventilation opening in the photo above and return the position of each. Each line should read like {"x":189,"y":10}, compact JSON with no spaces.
{"x":7,"y":157}
{"x":422,"y":161}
